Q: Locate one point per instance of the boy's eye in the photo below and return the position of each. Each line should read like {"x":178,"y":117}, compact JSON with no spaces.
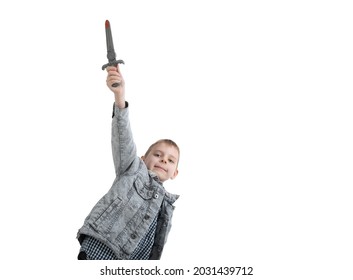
{"x":157,"y":155}
{"x":172,"y":161}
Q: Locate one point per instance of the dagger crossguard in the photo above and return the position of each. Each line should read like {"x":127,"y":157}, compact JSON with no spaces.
{"x":113,"y":63}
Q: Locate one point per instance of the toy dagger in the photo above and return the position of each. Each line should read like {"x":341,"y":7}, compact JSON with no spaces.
{"x":110,"y":50}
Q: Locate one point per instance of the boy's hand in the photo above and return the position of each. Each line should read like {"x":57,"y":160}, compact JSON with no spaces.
{"x":114,"y":76}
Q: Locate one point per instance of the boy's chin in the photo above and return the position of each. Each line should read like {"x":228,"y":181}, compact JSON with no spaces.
{"x":160,"y":175}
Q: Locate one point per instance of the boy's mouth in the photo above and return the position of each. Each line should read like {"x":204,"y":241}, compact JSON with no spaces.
{"x":160,"y":167}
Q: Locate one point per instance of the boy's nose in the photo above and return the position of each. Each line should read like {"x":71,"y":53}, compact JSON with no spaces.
{"x":163,"y":160}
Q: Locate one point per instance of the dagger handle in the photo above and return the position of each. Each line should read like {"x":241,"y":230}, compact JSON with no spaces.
{"x":113,"y":63}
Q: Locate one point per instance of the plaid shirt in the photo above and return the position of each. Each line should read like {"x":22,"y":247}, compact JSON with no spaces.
{"x":96,"y":250}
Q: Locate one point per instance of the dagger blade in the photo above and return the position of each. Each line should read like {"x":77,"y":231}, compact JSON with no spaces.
{"x":110,"y":45}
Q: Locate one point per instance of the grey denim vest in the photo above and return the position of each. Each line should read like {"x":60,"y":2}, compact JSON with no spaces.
{"x":123,"y":215}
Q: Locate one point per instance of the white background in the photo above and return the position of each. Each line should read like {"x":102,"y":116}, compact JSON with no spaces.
{"x":256,"y":93}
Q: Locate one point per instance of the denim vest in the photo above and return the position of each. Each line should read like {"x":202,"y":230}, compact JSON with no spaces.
{"x":123,"y":215}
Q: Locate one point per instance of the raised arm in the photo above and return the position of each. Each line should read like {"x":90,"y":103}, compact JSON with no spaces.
{"x":123,"y":145}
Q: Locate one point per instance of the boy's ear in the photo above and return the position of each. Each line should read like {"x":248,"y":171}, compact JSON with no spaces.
{"x":143,"y":158}
{"x":175,"y":174}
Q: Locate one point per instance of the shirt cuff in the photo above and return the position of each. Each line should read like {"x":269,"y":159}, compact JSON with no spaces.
{"x":116,"y":109}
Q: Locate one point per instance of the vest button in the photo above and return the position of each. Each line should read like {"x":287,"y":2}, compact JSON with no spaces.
{"x":133,"y":236}
{"x":146,"y":217}
{"x":156,"y":196}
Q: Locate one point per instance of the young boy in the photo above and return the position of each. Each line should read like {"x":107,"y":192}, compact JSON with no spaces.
{"x":132,"y":221}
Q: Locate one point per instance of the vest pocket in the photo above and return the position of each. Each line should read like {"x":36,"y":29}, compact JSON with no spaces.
{"x":107,"y":212}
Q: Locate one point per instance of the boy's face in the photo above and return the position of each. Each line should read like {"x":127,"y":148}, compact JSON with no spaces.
{"x":162,"y":160}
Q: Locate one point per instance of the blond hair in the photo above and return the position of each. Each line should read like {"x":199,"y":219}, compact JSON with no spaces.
{"x":166,"y":141}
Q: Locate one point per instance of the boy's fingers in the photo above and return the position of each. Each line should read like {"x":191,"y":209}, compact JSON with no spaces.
{"x":113,"y":73}
{"x":114,"y":78}
{"x":111,"y":68}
